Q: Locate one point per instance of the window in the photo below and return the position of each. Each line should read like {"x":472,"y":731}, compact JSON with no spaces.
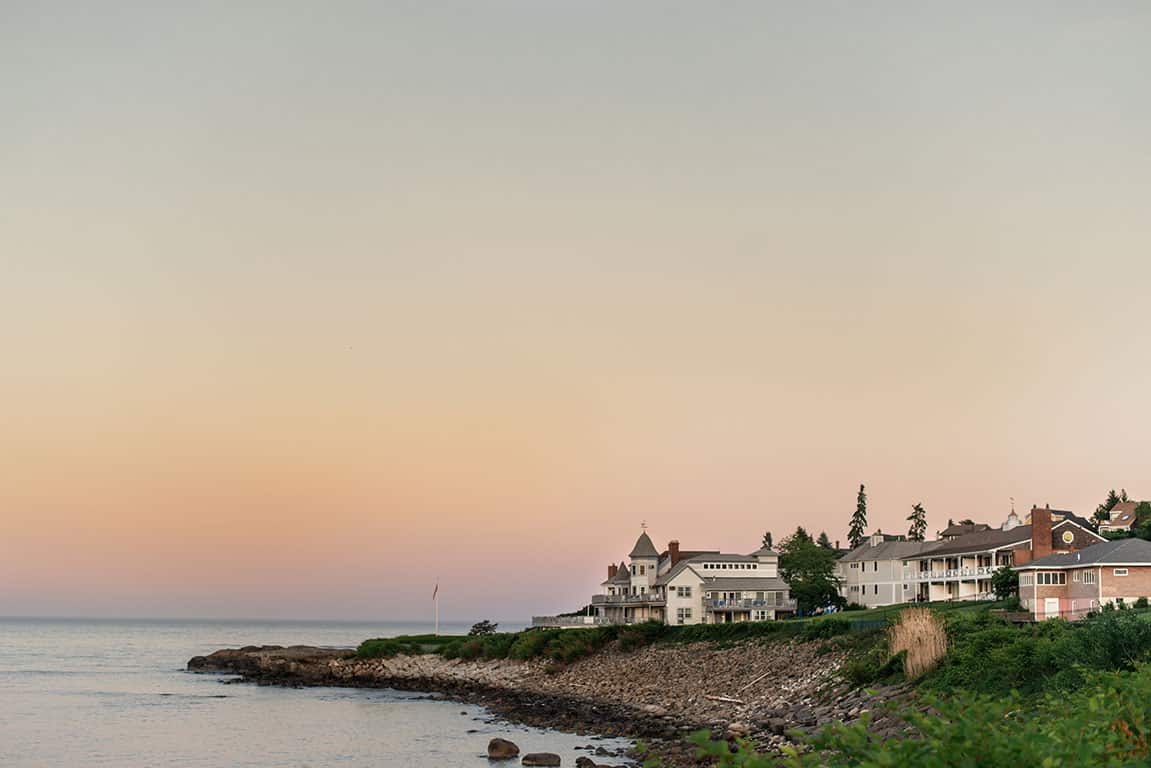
{"x":1119,"y":572}
{"x":759,"y":615}
{"x":682,"y":615}
{"x":643,"y":590}
{"x":1050,"y":579}
{"x":877,"y":589}
{"x":642,"y":570}
{"x":1075,"y":577}
{"x":876,"y":568}
{"x":683,"y":591}
{"x":1089,"y":577}
{"x":633,"y":570}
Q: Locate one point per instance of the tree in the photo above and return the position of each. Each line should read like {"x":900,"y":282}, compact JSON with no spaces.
{"x":824,"y":541}
{"x":918,"y":518}
{"x":1142,"y":525}
{"x":857,"y":532}
{"x":809,"y":571}
{"x":966,"y":521}
{"x":482,"y":629}
{"x":767,"y":543}
{"x":1005,"y":583}
{"x":1103,"y":511}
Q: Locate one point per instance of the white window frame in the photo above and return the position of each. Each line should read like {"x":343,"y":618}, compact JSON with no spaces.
{"x":1119,"y":572}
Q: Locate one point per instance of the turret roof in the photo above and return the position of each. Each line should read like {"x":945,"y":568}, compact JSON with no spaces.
{"x":644,"y":548}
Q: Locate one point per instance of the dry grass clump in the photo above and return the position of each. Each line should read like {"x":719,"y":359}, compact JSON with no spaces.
{"x":923,"y":635}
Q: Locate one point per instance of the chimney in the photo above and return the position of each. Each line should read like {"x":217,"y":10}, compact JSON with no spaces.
{"x":1040,"y":532}
{"x":673,"y":551}
{"x":612,"y":570}
{"x":837,"y":544}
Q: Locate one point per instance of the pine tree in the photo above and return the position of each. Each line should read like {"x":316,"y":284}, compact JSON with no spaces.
{"x":767,"y":540}
{"x":918,"y":518}
{"x":858,"y":530}
{"x":824,"y":541}
{"x":1103,"y":511}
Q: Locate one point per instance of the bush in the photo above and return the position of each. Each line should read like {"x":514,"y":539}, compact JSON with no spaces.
{"x":1107,"y":723}
{"x":821,"y":629}
{"x":854,"y":607}
{"x":483,"y":628}
{"x":988,"y":655}
{"x":1141,"y":603}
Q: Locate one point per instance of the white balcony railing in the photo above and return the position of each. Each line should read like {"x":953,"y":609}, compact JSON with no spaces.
{"x":911,"y":574}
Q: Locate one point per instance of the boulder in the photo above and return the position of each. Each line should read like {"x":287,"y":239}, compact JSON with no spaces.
{"x":502,"y":749}
{"x":541,"y":758}
{"x":585,"y":762}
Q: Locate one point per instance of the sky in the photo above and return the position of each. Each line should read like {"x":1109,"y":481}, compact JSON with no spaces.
{"x":304,"y":307}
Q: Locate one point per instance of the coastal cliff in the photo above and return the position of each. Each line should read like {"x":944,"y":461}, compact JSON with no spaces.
{"x":658,"y":693}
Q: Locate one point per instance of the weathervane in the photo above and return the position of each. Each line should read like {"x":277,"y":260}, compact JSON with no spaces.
{"x":643,"y":524}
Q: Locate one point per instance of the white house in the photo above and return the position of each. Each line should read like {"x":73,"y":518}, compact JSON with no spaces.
{"x":692,"y":587}
{"x":960,"y":564}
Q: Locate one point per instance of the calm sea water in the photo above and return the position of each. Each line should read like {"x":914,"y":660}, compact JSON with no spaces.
{"x":114,"y":693}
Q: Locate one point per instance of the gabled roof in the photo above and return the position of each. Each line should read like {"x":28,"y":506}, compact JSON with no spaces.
{"x":623,"y":575}
{"x":979,"y":542}
{"x":644,"y":548}
{"x":889,"y":550}
{"x":764,"y":552}
{"x":964,"y":528}
{"x":1118,"y":552}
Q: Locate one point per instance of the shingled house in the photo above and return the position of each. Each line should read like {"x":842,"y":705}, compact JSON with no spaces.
{"x":692,"y":587}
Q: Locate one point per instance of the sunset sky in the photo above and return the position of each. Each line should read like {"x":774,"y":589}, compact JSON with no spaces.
{"x":305,"y":305}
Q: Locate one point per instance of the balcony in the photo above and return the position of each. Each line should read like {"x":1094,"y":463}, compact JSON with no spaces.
{"x":984,"y":571}
{"x":648,"y":599}
{"x":747,"y":605}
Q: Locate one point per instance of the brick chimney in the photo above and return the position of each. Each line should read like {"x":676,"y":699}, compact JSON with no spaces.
{"x":1040,"y":532}
{"x":612,"y":570}
{"x":673,"y":551}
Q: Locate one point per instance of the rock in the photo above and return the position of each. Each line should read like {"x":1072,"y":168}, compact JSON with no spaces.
{"x":541,"y":758}
{"x":502,"y":749}
{"x":654,"y":710}
{"x":585,"y":762}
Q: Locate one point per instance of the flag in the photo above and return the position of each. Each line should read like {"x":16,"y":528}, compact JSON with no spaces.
{"x":436,"y":591}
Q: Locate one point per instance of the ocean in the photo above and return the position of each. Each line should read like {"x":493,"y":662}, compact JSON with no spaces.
{"x":114,"y":693}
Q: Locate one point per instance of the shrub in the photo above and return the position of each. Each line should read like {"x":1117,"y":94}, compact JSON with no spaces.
{"x":921,"y":636}
{"x":820,"y":629}
{"x":1141,"y":603}
{"x":1107,"y":723}
{"x":483,"y":628}
{"x":854,"y":607}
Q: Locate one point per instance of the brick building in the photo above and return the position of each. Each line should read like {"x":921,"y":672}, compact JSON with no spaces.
{"x":1071,"y":584}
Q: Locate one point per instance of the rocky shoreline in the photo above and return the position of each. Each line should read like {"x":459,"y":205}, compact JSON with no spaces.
{"x":658,"y":694}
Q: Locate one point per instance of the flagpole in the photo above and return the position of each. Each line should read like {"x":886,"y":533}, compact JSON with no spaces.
{"x":436,"y":603}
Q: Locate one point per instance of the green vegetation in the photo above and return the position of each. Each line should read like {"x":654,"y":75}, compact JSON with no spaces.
{"x":989,"y":656}
{"x":1053,"y":694}
{"x":918,"y":520}
{"x":1106,"y":722}
{"x":407,"y":644}
{"x":857,"y":530}
{"x":483,"y":629}
{"x":568,"y":645}
{"x":809,"y":571}
{"x":1005,"y":583}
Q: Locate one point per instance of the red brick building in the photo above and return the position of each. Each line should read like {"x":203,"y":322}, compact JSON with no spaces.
{"x":1071,"y":584}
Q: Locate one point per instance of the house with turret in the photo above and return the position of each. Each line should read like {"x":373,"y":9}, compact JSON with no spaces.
{"x":692,"y":587}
